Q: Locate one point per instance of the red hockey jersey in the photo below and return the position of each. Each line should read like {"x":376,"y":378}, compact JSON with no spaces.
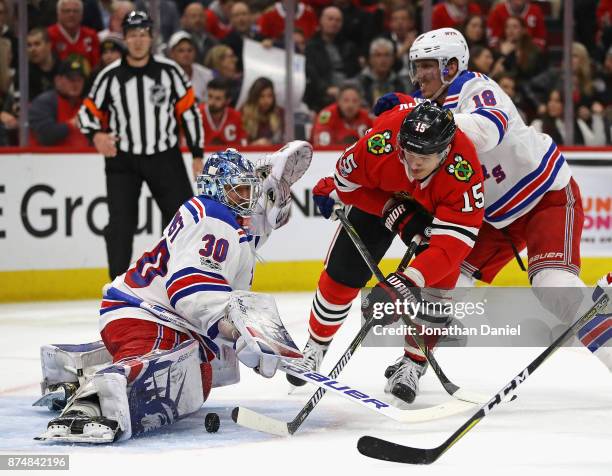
{"x":331,"y":128}
{"x":272,"y":22}
{"x":444,"y":15}
{"x":370,"y":173}
{"x":86,"y":44}
{"x":228,"y":133}
{"x":532,"y":16}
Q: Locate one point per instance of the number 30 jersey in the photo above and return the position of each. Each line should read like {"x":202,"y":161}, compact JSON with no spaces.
{"x":519,"y":164}
{"x":201,"y":257}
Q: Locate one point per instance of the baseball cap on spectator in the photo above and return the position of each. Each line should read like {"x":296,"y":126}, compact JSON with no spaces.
{"x":112,"y":42}
{"x":179,"y":36}
{"x":71,"y":68}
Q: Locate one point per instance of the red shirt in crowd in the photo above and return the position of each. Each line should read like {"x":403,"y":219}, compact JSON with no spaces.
{"x":66,"y":112}
{"x":446,"y":15}
{"x":86,"y":44}
{"x":228,"y":133}
{"x":532,"y":16}
{"x":272,"y":22}
{"x":331,"y":128}
{"x":215,"y":26}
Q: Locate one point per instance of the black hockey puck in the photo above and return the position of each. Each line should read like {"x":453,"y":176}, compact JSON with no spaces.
{"x":212,"y":423}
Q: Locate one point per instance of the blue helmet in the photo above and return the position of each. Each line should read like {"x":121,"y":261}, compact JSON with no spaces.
{"x":224,"y":172}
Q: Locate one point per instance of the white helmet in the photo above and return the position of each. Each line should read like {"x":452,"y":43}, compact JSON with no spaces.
{"x":442,"y":45}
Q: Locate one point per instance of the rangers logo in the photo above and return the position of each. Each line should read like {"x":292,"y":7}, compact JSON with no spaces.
{"x":462,"y":170}
{"x":158,"y":94}
{"x":380,"y":143}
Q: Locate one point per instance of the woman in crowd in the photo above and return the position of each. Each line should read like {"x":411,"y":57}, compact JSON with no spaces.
{"x":261,"y":117}
{"x":224,"y":64}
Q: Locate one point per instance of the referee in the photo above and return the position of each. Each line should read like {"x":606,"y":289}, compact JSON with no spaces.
{"x":132,"y":115}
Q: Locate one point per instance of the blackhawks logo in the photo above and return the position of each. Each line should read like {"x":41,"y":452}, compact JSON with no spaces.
{"x":462,"y":170}
{"x":380,"y":143}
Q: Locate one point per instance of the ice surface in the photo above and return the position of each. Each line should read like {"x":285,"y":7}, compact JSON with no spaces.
{"x":561,"y":424}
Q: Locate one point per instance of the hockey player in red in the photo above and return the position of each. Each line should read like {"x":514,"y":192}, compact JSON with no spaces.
{"x":413,"y":170}
{"x":222,"y":123}
{"x":68,"y":37}
{"x":343,"y":122}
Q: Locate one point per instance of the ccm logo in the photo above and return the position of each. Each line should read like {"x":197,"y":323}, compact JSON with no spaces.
{"x":551,"y":255}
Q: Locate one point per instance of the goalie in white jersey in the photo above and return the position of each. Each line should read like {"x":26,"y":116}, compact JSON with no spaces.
{"x":167,"y":326}
{"x":530,"y":198}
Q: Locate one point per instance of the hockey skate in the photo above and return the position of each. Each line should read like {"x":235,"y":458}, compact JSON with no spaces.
{"x":81,"y":426}
{"x":403,"y":379}
{"x":313,"y":356}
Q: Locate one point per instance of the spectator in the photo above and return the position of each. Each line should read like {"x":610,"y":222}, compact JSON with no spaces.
{"x":241,"y":26}
{"x":111,"y":49}
{"x":589,"y":127}
{"x":507,"y":82}
{"x":97,"y":13}
{"x":482,"y":61}
{"x":329,"y":61}
{"x":261,"y":117}
{"x":521,"y":56}
{"x":169,"y":18}
{"x":378,"y":77}
{"x":52,"y":115}
{"x":193,"y":22}
{"x":69,"y":38}
{"x":452,"y":13}
{"x":43,"y":63}
{"x":119,"y":10}
{"x":603,"y":81}
{"x":182,"y":50}
{"x":218,"y":17}
{"x":530,"y":13}
{"x":222,"y":123}
{"x":402,"y":32}
{"x":360,"y":26}
{"x":224,"y":64}
{"x":8,"y":118}
{"x":6,"y":31}
{"x":343,"y":122}
{"x":474,"y":30}
{"x":272,"y":22}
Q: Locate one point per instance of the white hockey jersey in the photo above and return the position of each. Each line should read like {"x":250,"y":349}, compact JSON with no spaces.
{"x":519,"y":163}
{"x":202,"y":256}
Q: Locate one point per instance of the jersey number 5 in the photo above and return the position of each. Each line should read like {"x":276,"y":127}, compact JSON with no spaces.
{"x":473,"y":198}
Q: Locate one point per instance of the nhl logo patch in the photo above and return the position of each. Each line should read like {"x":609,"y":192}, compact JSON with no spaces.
{"x":158,"y":94}
{"x":462,"y":170}
{"x":380,"y":143}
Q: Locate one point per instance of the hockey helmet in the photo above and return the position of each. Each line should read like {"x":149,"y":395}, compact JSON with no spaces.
{"x":137,"y":19}
{"x":427,"y":129}
{"x":441,"y":45}
{"x":224,"y":175}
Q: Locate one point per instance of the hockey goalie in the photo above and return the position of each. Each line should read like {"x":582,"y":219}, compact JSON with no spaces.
{"x":180,"y":320}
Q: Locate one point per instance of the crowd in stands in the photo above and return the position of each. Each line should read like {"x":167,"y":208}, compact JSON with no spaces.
{"x":355,"y":51}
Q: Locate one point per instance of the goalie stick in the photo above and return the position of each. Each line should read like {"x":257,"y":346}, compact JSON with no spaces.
{"x":389,"y":451}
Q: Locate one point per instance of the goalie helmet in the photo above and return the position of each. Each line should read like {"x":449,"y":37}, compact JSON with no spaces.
{"x":231,"y":179}
{"x":427,"y":129}
{"x":441,"y":45}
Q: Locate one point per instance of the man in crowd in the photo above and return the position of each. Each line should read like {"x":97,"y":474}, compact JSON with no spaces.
{"x":222,"y":123}
{"x":182,"y":49}
{"x":343,"y":122}
{"x":193,"y":22}
{"x":43,"y":63}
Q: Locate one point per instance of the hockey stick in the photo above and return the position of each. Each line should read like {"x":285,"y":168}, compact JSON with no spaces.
{"x":452,"y":389}
{"x":389,"y":451}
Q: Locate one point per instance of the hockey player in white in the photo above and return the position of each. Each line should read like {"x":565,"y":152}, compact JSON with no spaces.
{"x":167,"y":326}
{"x":530,"y":197}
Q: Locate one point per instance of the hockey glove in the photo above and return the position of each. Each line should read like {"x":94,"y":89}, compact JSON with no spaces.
{"x":325,"y":196}
{"x":249,"y":354}
{"x":406,"y":218}
{"x":397,"y":287}
{"x":385,"y":102}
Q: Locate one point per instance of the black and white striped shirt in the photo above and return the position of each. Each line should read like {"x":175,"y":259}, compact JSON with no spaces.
{"x":143,"y":106}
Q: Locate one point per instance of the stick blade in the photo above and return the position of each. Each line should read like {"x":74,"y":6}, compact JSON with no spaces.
{"x":256,"y":421}
{"x":388,"y":451}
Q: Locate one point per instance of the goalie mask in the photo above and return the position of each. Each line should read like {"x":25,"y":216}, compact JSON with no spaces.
{"x":230,"y":179}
